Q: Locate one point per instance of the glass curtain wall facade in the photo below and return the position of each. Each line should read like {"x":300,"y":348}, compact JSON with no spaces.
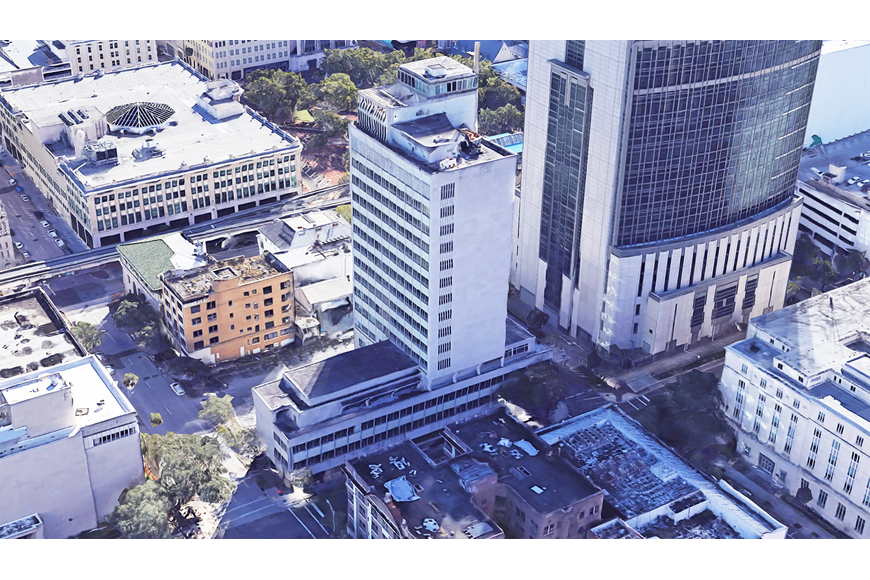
{"x":564,"y":177}
{"x":696,"y":146}
{"x":714,"y":136}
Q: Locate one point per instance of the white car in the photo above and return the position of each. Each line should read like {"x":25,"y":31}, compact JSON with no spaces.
{"x":816,"y":171}
{"x":111,"y":369}
{"x":12,"y":182}
{"x":24,"y":197}
{"x":25,"y":253}
{"x":853,"y":180}
{"x":19,"y":245}
{"x":52,"y":233}
{"x":59,"y":243}
{"x":176,"y":388}
{"x":45,"y":224}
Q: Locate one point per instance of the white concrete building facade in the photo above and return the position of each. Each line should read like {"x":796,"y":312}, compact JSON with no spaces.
{"x":797,"y":391}
{"x":432,"y":212}
{"x":834,"y":181}
{"x":642,"y":237}
{"x":69,"y":445}
{"x":233,"y":59}
{"x":86,"y":56}
{"x":125,"y":154}
{"x":839,"y":106}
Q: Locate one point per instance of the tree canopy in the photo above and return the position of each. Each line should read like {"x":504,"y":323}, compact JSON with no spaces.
{"x":89,"y":335}
{"x":185,"y":368}
{"x":130,"y":380}
{"x":216,"y":409}
{"x":187,"y":466}
{"x":278,"y":93}
{"x":336,"y":91}
{"x":507,"y":119}
{"x":133,"y":314}
{"x":142,"y":513}
{"x":333,"y":126}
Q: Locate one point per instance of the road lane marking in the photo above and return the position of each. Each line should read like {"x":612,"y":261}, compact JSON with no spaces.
{"x":301,"y":524}
{"x":317,"y":509}
{"x":243,"y":505}
{"x":270,"y":506}
{"x":316,"y":520}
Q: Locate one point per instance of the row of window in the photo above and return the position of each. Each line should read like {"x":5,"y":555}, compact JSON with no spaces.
{"x":380,"y":248}
{"x":412,"y":291}
{"x":395,"y":432}
{"x":387,"y":314}
{"x":421,"y":313}
{"x":376,"y":175}
{"x":405,"y":234}
{"x":386,"y":201}
{"x":114,"y":435}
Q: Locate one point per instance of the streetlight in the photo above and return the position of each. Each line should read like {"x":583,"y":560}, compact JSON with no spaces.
{"x":333,"y":515}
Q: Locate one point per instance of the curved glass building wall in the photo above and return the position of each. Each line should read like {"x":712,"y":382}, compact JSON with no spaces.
{"x":714,"y":135}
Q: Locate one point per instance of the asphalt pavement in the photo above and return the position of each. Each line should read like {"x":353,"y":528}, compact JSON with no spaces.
{"x":24,"y":220}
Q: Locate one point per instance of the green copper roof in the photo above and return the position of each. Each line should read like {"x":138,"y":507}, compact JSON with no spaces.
{"x":149,"y":258}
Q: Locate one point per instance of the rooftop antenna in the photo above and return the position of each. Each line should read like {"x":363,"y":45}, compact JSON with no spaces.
{"x":476,"y":57}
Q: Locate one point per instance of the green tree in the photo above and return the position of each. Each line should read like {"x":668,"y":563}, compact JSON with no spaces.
{"x":241,"y":440}
{"x":187,"y":466}
{"x":851,"y":262}
{"x":498,"y":95}
{"x":126,"y":314}
{"x":149,"y":339}
{"x":506,"y":119}
{"x":185,"y":368}
{"x":216,"y":409}
{"x":134,"y":314}
{"x":822,"y":270}
{"x":277,"y":93}
{"x":333,"y":126}
{"x":89,"y":335}
{"x":142,"y":513}
{"x":364,"y":66}
{"x":344,"y":211}
{"x":337,"y":91}
{"x":156,"y":419}
{"x":130,"y":380}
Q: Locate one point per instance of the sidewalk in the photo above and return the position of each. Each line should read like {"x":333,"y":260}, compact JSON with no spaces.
{"x":648,"y":377}
{"x":573,"y":352}
{"x":800,"y":525}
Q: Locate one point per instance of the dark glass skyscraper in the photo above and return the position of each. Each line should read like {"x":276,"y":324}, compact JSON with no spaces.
{"x":657,"y":167}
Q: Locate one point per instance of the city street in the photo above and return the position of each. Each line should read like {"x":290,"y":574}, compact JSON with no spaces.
{"x":255,"y":513}
{"x":24,"y":216}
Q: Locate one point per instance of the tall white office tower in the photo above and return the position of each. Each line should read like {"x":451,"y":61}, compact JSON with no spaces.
{"x":658,"y":201}
{"x":432,"y":213}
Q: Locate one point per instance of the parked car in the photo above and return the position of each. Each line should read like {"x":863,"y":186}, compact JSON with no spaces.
{"x":177,"y":389}
{"x":816,"y":171}
{"x":45,"y":224}
{"x":59,"y":243}
{"x":19,"y":245}
{"x":13,"y":182}
{"x":853,"y":180}
{"x":110,"y":368}
{"x":25,"y":253}
{"x":18,"y":188}
{"x":24,"y":197}
{"x":52,"y":233}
